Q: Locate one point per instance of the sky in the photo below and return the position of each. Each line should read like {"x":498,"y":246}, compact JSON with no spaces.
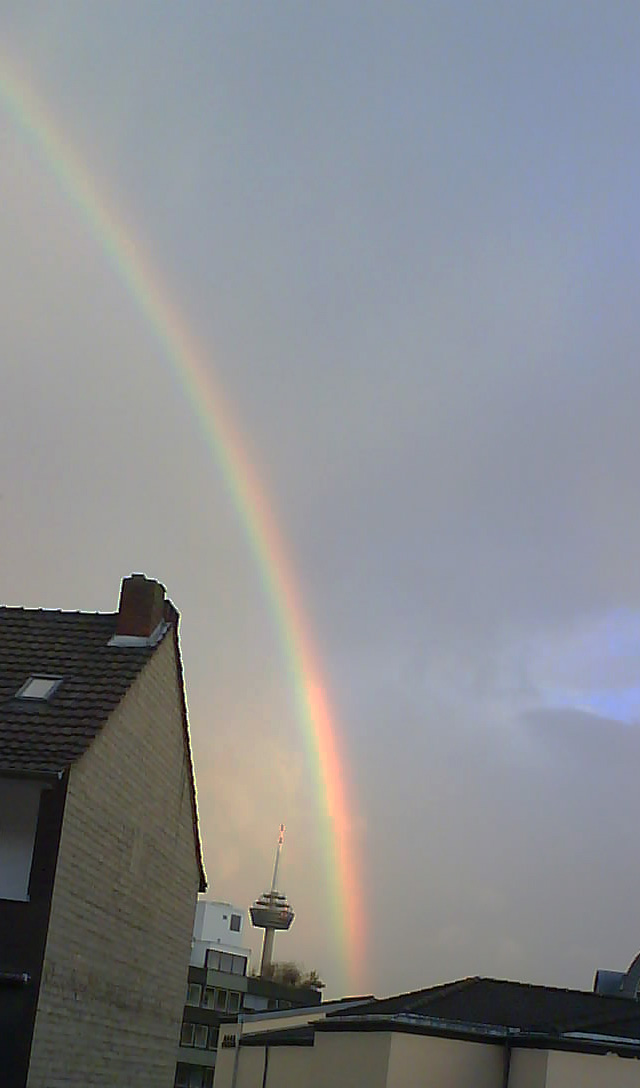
{"x":406,"y":240}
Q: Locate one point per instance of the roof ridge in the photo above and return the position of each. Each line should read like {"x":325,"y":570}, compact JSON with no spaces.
{"x":542,"y":986}
{"x":430,"y":993}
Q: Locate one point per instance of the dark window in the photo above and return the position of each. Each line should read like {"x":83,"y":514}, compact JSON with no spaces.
{"x":213,"y":959}
{"x":207,"y":1081}
{"x":226,"y":960}
{"x":182,"y":1076}
{"x":207,"y":1000}
{"x":239,"y":965}
{"x":233,"y":1002}
{"x":235,"y":923}
{"x":200,"y":1036}
{"x":221,"y":1000}
{"x":186,"y":1035}
{"x":194,"y":993}
{"x":213,"y":1038}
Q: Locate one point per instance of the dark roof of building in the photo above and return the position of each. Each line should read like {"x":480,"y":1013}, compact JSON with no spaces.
{"x":40,"y":737}
{"x":514,"y":1005}
{"x":294,"y":1036}
{"x":46,"y":736}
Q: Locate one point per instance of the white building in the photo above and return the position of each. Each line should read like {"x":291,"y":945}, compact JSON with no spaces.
{"x":219,"y":988}
{"x":218,"y":926}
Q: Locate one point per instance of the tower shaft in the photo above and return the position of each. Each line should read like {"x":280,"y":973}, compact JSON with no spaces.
{"x":267,"y":950}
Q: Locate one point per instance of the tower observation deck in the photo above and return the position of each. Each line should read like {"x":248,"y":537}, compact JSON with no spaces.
{"x":271,"y":911}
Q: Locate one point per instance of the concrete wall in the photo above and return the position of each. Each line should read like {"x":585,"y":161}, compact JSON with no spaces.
{"x":251,"y":1068}
{"x":340,"y":1059}
{"x":346,"y":1059}
{"x":224,"y":1068}
{"x":528,"y":1069}
{"x":384,"y":1060}
{"x":294,"y":1065}
{"x":566,"y":1070}
{"x":117,"y":952}
{"x":422,"y":1061}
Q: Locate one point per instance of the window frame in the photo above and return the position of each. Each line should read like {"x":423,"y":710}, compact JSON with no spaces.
{"x":194,"y":986}
{"x":187,"y":1025}
{"x":198,"y":1034}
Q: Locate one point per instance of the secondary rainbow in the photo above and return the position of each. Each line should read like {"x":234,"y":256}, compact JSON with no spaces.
{"x":32,"y":120}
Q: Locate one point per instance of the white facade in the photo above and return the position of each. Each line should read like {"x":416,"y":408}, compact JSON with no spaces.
{"x":219,"y":926}
{"x":369,"y":1059}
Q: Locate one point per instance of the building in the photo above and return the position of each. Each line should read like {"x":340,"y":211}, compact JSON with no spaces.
{"x":100,"y":859}
{"x":474,"y":1033}
{"x":220,"y":987}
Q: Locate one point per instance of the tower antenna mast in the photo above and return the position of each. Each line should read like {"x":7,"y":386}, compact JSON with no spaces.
{"x":277,"y":861}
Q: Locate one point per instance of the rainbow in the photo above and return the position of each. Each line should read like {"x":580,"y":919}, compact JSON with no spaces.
{"x":33,"y":121}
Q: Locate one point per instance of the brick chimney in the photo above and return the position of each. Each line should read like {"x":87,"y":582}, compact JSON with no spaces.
{"x":141,"y":606}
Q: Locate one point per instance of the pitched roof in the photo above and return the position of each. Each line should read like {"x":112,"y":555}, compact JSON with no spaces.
{"x":45,"y":736}
{"x":515,"y":1005}
{"x":41,"y":737}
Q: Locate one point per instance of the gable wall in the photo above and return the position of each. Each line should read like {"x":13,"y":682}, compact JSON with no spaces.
{"x":117,"y":951}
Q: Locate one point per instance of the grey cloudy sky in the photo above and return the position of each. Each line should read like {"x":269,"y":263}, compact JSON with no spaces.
{"x":407,"y":237}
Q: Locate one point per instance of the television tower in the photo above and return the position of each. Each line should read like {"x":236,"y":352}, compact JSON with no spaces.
{"x":271,"y":911}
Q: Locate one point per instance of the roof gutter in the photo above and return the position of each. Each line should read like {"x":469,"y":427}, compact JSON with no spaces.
{"x":491,"y":1033}
{"x":33,"y":776}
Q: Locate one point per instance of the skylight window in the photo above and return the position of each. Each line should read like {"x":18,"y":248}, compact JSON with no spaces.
{"x":39,"y":687}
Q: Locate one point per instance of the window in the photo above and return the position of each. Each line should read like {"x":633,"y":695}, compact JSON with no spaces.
{"x":221,"y":1000}
{"x":39,"y":687}
{"x":233,"y":1002}
{"x":213,"y":1038}
{"x":186,"y":1035}
{"x":207,"y":1000}
{"x":213,"y":959}
{"x":182,"y":1076}
{"x":194,"y":993}
{"x":226,"y":960}
{"x":239,"y":965}
{"x":200,"y":1036}
{"x":235,"y":923}
{"x":207,"y":1080}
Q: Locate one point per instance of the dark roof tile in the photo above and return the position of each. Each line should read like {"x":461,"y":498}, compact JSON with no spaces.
{"x":46,"y":736}
{"x":500,"y":1003}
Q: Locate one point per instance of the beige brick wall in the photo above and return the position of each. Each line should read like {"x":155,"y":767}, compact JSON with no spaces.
{"x":124,"y":900}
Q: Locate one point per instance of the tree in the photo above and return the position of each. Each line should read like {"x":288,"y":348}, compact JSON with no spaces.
{"x":313,"y":980}
{"x":292,"y":974}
